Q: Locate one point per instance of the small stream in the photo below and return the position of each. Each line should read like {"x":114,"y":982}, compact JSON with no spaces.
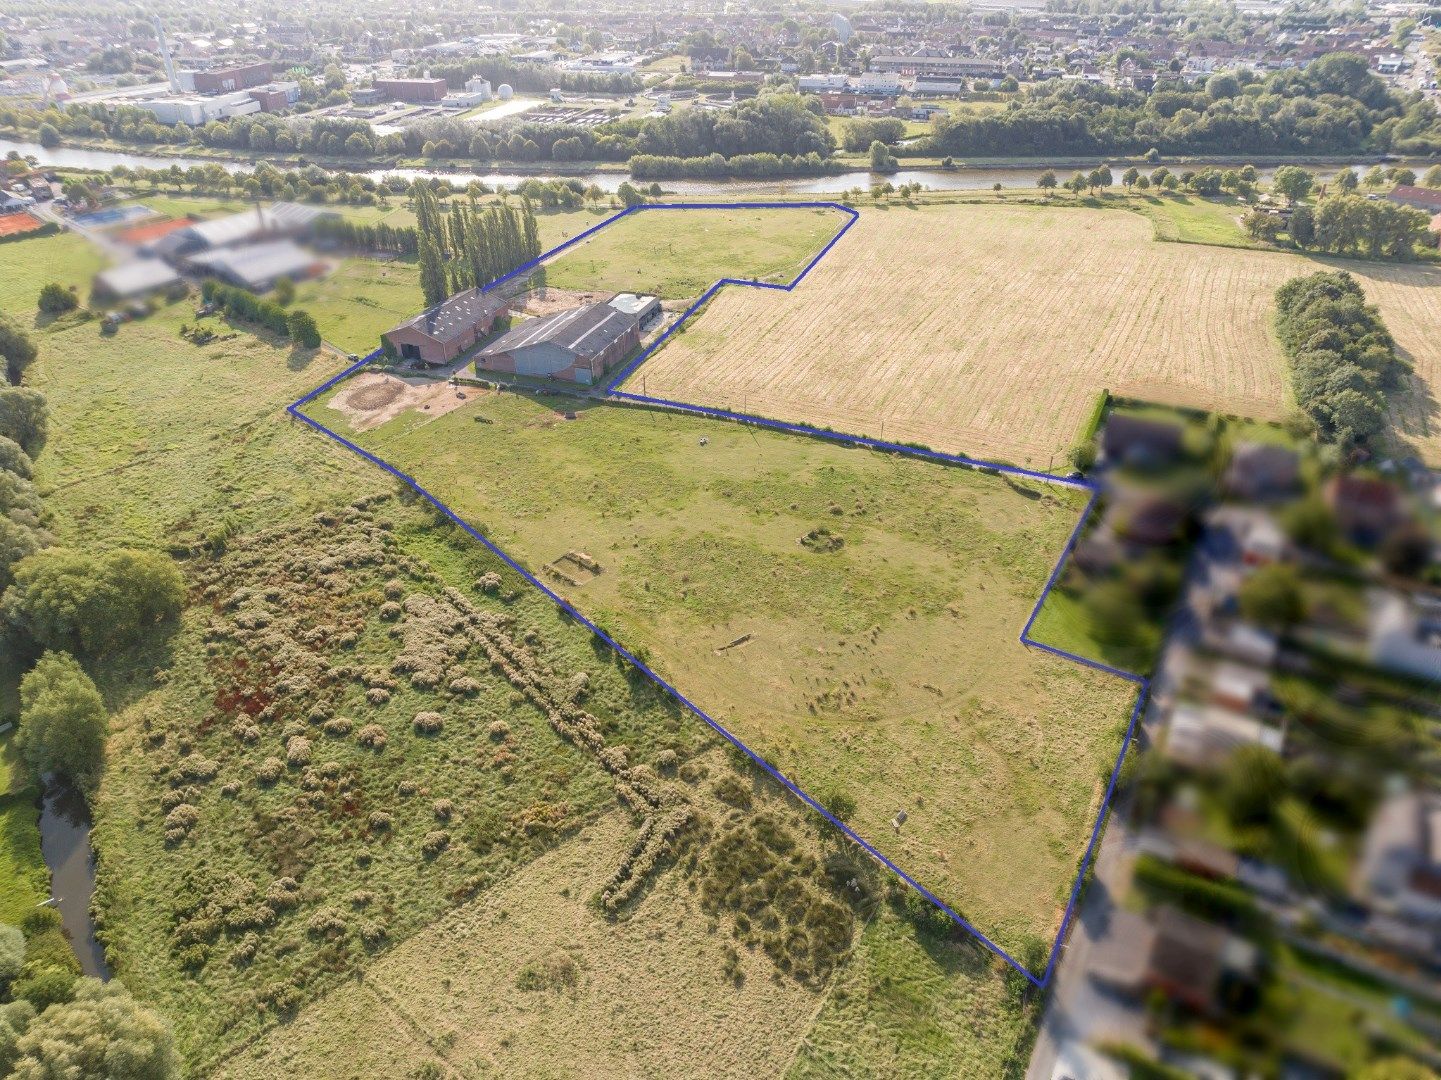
{"x":65,"y":845}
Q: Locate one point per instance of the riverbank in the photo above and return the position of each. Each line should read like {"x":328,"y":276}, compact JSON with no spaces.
{"x":964,"y":174}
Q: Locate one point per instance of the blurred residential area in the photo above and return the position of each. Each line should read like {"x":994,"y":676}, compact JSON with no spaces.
{"x":1267,"y":896}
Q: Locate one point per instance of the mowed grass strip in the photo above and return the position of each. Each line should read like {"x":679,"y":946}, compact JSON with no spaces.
{"x":989,"y":330}
{"x":852,"y":616}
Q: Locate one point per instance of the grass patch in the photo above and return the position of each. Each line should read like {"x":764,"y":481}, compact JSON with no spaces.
{"x":676,"y":254}
{"x":913,"y":1004}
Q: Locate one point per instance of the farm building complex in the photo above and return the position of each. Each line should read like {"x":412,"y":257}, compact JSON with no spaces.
{"x":577,"y":345}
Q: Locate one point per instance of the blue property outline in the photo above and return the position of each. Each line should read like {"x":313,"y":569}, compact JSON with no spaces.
{"x":1079,"y":483}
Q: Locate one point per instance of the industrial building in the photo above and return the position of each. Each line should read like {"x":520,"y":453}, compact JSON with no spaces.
{"x":415,"y":91}
{"x":578,"y":345}
{"x":274,"y":222}
{"x":259,"y":266}
{"x":194,"y":110}
{"x":225,"y":80}
{"x":441,"y":333}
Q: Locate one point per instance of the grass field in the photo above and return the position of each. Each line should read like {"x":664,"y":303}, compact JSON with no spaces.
{"x":851,"y":616}
{"x":361,"y":300}
{"x":677,"y":254}
{"x":158,"y":443}
{"x":989,"y":330}
{"x":646,"y":996}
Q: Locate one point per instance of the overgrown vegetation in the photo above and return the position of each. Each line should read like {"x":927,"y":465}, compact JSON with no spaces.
{"x":1343,"y":360}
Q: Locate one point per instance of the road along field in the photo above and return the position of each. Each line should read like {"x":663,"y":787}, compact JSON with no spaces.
{"x":851,"y":616}
{"x":989,"y":331}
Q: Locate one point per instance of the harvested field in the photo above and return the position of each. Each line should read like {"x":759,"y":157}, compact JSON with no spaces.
{"x":14,"y":224}
{"x":371,"y":398}
{"x":989,"y":331}
{"x":881,"y":667}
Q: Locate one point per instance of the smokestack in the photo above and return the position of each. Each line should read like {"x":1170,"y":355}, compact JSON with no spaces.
{"x":165,"y":56}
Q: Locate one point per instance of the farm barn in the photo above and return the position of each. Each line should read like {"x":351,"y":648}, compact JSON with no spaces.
{"x":578,"y":345}
{"x":440,"y":334}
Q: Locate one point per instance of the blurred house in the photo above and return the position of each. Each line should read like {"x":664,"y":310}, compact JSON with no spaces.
{"x":1366,"y":509}
{"x":1399,"y":872}
{"x":1189,"y":960}
{"x":1404,"y":633}
{"x":1132,"y":440}
{"x":132,"y":279}
{"x":1260,"y":472}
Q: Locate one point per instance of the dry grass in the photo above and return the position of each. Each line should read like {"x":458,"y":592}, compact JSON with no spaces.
{"x":887,"y":670}
{"x":646,"y":996}
{"x":989,"y":331}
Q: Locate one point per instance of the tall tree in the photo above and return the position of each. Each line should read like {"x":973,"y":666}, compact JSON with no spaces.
{"x":62,"y":721}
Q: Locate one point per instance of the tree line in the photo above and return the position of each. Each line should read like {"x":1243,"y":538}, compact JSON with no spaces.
{"x":297,"y":325}
{"x":1332,"y":105}
{"x":467,"y":247}
{"x":1343,"y":359}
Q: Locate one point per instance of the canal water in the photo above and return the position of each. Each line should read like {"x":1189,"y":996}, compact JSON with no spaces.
{"x":962,"y":178}
{"x":65,"y":845}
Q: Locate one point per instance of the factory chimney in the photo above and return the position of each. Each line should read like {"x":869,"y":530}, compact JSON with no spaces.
{"x":165,"y":56}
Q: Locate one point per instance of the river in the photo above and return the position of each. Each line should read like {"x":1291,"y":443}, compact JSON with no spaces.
{"x":963,"y":178}
{"x":65,"y":845}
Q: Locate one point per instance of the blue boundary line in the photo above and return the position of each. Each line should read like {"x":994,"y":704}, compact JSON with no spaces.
{"x":1141,"y":682}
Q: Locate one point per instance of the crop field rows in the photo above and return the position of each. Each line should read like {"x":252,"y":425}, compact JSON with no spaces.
{"x":1055,"y":304}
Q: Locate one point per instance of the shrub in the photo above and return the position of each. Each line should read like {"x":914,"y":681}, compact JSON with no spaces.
{"x":443,"y":809}
{"x":337,"y":727}
{"x":731,"y":789}
{"x":297,"y":750}
{"x":428,"y":723}
{"x":269,"y":771}
{"x":499,"y":730}
{"x":56,"y":299}
{"x":380,"y":821}
{"x":371,"y":736}
{"x":435,"y":842}
{"x":553,"y":971}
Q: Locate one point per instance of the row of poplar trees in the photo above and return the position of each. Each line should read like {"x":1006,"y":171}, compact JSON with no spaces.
{"x":466,"y":246}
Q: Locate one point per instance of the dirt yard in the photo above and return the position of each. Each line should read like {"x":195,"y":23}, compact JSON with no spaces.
{"x":989,"y":331}
{"x":372,"y":397}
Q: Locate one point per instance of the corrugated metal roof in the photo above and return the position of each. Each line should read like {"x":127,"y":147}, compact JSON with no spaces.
{"x":584,"y":331}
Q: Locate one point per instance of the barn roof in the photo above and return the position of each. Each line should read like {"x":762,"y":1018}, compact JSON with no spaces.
{"x":452,"y":318}
{"x":584,"y":331}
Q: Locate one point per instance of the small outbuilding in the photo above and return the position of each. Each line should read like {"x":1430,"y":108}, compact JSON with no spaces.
{"x":644,"y":308}
{"x":578,"y":345}
{"x":135,"y":278}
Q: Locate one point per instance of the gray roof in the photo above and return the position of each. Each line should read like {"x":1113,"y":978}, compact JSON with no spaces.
{"x":277,"y":219}
{"x":134,"y":278}
{"x":451,"y":318}
{"x":258,"y":264}
{"x":584,"y":331}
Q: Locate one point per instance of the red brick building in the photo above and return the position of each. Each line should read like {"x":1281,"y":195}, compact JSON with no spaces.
{"x":227,"y":80}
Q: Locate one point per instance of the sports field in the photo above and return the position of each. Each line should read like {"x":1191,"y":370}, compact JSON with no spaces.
{"x":851,"y":616}
{"x":988,"y":330}
{"x":15,"y":224}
